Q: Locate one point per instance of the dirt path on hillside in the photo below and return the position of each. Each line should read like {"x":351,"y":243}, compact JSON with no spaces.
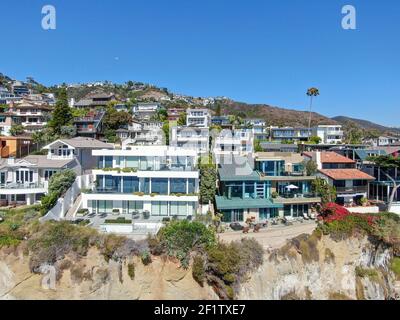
{"x":272,"y":237}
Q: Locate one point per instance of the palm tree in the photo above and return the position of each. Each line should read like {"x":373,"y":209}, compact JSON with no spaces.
{"x":312,"y":92}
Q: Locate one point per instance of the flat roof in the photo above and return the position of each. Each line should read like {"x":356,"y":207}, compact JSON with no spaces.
{"x":224,"y":203}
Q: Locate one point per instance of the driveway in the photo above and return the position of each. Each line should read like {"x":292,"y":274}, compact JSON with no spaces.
{"x":271,"y":237}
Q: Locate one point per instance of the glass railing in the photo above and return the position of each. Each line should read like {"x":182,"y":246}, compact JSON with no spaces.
{"x":28,"y":185}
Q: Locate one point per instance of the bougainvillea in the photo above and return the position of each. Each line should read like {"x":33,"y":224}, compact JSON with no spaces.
{"x":333,"y":212}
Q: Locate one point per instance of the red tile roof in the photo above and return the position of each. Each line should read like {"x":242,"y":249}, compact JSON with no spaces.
{"x":346,"y":174}
{"x":330,"y":157}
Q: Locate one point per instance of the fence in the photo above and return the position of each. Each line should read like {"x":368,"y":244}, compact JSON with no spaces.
{"x":67,"y":201}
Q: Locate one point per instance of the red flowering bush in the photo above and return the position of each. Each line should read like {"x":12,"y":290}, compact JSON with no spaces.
{"x":333,"y":212}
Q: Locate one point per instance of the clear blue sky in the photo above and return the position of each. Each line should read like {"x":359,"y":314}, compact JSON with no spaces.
{"x":258,"y":51}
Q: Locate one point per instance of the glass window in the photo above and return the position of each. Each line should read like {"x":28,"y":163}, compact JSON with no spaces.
{"x":178,"y":186}
{"x":131,"y":184}
{"x":132,"y":162}
{"x":159,"y":208}
{"x":192,"y":185}
{"x":159,"y":186}
{"x":146,"y":186}
{"x":108,"y":162}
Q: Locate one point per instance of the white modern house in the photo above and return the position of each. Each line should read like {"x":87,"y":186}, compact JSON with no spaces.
{"x":329,"y":134}
{"x":191,"y":138}
{"x":161,"y":181}
{"x":232,"y":143}
{"x":200,"y":118}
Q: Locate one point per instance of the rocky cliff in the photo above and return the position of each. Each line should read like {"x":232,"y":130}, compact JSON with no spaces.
{"x":306,"y":268}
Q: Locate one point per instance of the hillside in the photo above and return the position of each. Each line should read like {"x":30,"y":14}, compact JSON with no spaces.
{"x":273,"y":115}
{"x":367,"y":125}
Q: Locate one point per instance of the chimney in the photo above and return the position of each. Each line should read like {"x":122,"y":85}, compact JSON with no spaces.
{"x":318,"y":159}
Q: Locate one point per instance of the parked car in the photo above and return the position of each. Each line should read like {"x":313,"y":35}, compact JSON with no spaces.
{"x":236,"y":226}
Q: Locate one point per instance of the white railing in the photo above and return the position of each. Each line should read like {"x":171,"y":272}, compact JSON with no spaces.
{"x":67,"y":201}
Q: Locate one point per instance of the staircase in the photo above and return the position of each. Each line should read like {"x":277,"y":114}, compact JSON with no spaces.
{"x":70,"y":215}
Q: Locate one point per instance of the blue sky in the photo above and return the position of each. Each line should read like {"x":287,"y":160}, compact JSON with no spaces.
{"x":257,"y":51}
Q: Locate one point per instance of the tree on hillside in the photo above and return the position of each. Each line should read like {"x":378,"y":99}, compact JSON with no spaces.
{"x":62,"y":114}
{"x":353,"y":133}
{"x":114,"y":120}
{"x":312,"y":92}
{"x":387,"y":164}
{"x":182,"y":119}
{"x":311,"y":167}
{"x":17,"y":130}
{"x":315,"y":140}
{"x":257,"y":146}
{"x":208,"y":180}
{"x":322,"y":188}
{"x":165,"y":129}
{"x":218,"y":109}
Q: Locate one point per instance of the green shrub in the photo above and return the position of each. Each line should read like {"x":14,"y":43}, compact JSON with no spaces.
{"x":198,"y":270}
{"x":181,"y":237}
{"x":146,"y":258}
{"x":48,"y":202}
{"x":395,"y":267}
{"x":131,"y":270}
{"x":366,"y":273}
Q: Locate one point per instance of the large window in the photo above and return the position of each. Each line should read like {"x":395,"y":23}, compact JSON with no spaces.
{"x":131,"y":184}
{"x":159,"y":208}
{"x":108,"y":162}
{"x":146,"y":186}
{"x":192,"y":185}
{"x":104,"y":206}
{"x":132,"y":206}
{"x":178,"y":208}
{"x":178,"y":186}
{"x":268,"y":213}
{"x":132,"y":162}
{"x":159,"y":186}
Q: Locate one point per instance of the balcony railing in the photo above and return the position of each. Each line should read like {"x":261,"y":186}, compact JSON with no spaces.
{"x":350,"y":190}
{"x":28,"y":185}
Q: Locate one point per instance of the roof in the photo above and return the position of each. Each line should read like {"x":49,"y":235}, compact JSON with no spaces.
{"x":43,"y":162}
{"x":389,"y":150}
{"x":288,"y":157}
{"x":84,"y":142}
{"x":346,"y":174}
{"x":330,"y":157}
{"x":364,"y":154}
{"x":238,"y":170}
{"x":224,"y":203}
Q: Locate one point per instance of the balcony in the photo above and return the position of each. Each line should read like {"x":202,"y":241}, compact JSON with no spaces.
{"x":298,"y":198}
{"x":351,"y":190}
{"x":23,"y":188}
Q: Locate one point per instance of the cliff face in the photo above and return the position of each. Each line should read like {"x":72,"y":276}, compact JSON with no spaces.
{"x":94,"y":278}
{"x":308,"y":269}
{"x":349,"y":269}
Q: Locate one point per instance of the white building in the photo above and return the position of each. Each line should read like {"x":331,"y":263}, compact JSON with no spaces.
{"x":329,"y":134}
{"x":200,"y":118}
{"x":229,"y":144}
{"x":160,"y":180}
{"x":146,"y":110}
{"x":25,"y":181}
{"x":191,"y":138}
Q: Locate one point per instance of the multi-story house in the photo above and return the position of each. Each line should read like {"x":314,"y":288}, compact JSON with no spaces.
{"x":161,"y":180}
{"x":329,"y":134}
{"x":6,"y":96}
{"x":19,"y":89}
{"x":290,"y":134}
{"x":25,"y":181}
{"x":351,"y":184}
{"x":175,"y":113}
{"x":32,"y":116}
{"x":95,"y":100}
{"x":232,"y":143}
{"x":258,"y":127}
{"x":90,"y":125}
{"x":200,"y":118}
{"x":145,"y":110}
{"x":222,"y":121}
{"x":191,"y":138}
{"x":275,"y":188}
{"x":149,"y":133}
{"x":290,"y":186}
{"x":383,"y":141}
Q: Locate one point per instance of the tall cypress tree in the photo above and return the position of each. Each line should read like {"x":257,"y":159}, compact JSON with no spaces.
{"x":62,"y":114}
